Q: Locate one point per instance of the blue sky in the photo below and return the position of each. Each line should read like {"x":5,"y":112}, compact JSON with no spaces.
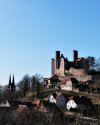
{"x":32,"y":30}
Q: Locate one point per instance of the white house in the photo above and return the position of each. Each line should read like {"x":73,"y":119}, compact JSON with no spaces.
{"x":69,"y":84}
{"x":57,"y":98}
{"x":78,"y":102}
{"x":5,"y":104}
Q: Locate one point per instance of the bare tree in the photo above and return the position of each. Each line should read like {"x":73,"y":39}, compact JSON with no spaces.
{"x":24,"y":84}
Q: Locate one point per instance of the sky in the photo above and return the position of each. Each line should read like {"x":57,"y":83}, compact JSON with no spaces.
{"x":32,"y":30}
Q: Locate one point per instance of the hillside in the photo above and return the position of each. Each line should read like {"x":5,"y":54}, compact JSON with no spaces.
{"x":29,"y":96}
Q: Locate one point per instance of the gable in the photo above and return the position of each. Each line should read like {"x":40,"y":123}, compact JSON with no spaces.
{"x":61,"y":97}
{"x":43,"y":108}
{"x":51,"y":98}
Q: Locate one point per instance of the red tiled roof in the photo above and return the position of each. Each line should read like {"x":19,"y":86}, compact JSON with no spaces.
{"x":53,"y":77}
{"x":22,"y":106}
{"x":79,"y":59}
{"x":71,"y":79}
{"x":45,"y":99}
{"x":20,"y":109}
{"x":37,"y":102}
{"x":58,"y":94}
{"x":81,"y":100}
{"x":70,"y":97}
{"x":64,"y":81}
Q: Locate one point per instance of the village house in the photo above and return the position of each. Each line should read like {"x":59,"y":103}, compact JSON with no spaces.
{"x":53,"y":79}
{"x":57,"y":98}
{"x":69,"y":84}
{"x":78,"y":102}
{"x":5,"y":104}
{"x":20,"y":109}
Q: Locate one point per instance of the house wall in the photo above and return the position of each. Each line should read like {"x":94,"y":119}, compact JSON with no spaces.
{"x":51,"y":99}
{"x":63,"y":87}
{"x":61,"y":101}
{"x":68,"y":86}
{"x":70,"y":104}
{"x":49,"y":82}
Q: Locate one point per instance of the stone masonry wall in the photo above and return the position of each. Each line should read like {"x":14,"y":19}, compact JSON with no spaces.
{"x":93,"y":78}
{"x":75,"y":71}
{"x":60,"y":71}
{"x":53,"y":67}
{"x":79,"y":78}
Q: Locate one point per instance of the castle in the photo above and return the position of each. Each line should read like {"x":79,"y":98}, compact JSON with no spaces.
{"x":62,"y":67}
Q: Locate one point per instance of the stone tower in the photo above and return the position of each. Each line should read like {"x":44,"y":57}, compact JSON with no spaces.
{"x":57,"y":56}
{"x":75,"y":55}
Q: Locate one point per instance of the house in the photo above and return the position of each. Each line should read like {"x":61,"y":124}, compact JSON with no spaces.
{"x":45,"y":81}
{"x":36,"y":104}
{"x":69,"y":84}
{"x":5,"y":104}
{"x":49,"y":108}
{"x":20,"y":109}
{"x":78,"y":102}
{"x":53,"y":79}
{"x":57,"y":98}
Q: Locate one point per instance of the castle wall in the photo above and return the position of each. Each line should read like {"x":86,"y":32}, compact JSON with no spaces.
{"x":75,"y":71}
{"x":79,"y":78}
{"x":93,"y":78}
{"x":60,"y":71}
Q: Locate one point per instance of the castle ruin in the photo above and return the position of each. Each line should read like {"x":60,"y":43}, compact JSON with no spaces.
{"x":61,"y":66}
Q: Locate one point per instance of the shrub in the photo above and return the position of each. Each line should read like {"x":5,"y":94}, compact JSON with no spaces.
{"x":89,"y":81}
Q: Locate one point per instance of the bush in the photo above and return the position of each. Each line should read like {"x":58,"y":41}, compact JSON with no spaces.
{"x":89,"y":81}
{"x":74,"y":110}
{"x":51,"y":86}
